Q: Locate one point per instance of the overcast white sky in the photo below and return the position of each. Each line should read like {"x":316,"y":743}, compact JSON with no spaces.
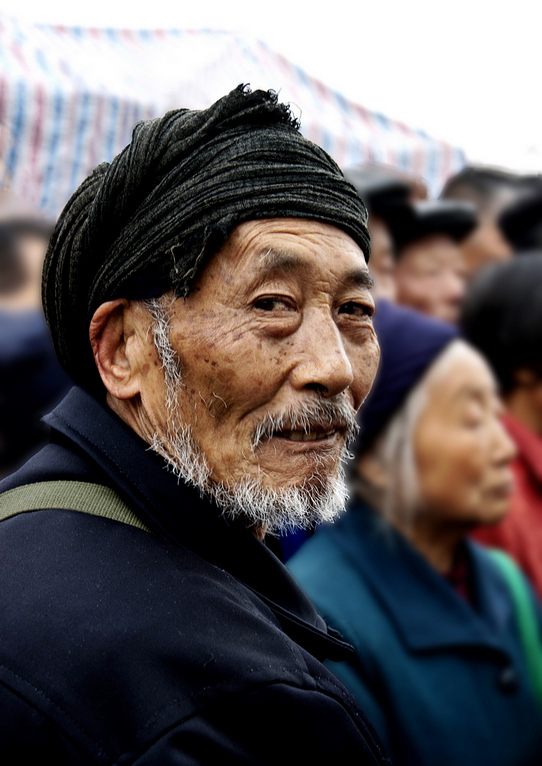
{"x":467,"y":71}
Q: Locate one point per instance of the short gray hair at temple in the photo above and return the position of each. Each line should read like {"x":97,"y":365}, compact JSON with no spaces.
{"x":161,"y":325}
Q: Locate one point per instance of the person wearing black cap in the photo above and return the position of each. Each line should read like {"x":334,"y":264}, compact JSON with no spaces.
{"x":439,"y":664}
{"x":521,"y":221}
{"x":385,"y":194}
{"x":208,"y":292}
{"x":430,"y":274}
{"x":490,"y":190}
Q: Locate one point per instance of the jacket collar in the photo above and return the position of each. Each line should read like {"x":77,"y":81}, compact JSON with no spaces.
{"x":427,"y":611}
{"x":529,"y":445}
{"x":179,"y":513}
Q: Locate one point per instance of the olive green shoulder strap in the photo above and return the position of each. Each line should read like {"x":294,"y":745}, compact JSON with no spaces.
{"x":82,"y":496}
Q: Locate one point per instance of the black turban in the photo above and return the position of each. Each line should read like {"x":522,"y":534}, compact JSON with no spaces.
{"x":148,"y":221}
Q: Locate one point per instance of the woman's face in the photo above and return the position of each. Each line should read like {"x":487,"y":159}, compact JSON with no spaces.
{"x":461,"y":450}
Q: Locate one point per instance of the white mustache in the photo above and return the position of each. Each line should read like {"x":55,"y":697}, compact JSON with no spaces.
{"x":326,"y":414}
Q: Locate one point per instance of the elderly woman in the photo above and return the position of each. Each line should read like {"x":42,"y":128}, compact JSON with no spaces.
{"x":502,"y":318}
{"x":438,"y":665}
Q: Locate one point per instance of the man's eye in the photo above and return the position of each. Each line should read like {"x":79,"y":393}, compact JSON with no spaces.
{"x":273,"y":304}
{"x":356,"y":309}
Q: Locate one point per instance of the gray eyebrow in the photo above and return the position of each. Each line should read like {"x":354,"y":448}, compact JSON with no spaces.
{"x":273,"y":260}
{"x":361,"y":278}
{"x":279,"y":260}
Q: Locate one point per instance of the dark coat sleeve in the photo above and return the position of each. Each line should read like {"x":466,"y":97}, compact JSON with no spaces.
{"x":273,"y":724}
{"x":277,"y":724}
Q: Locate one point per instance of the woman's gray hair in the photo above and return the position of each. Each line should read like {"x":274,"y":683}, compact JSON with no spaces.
{"x":394,"y":449}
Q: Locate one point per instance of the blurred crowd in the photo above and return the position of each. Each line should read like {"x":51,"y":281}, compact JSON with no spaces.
{"x":446,"y":632}
{"x":447,"y":466}
{"x":31,"y":379}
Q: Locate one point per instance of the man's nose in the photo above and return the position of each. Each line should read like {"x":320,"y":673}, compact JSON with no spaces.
{"x":323,"y":364}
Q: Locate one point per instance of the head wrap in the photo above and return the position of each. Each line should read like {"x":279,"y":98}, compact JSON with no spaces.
{"x":148,"y":222}
{"x":409,"y":343}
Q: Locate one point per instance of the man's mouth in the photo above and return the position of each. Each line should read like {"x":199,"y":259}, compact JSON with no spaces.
{"x":324,"y":421}
{"x":306,"y":436}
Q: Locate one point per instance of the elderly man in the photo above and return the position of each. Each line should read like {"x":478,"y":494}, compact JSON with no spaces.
{"x":208,"y":292}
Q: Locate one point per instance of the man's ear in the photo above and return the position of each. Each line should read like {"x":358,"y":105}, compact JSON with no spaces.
{"x":114,"y":338}
{"x":525,"y":378}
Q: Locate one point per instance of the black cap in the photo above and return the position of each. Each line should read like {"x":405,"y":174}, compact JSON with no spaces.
{"x":450,"y":217}
{"x":521,"y":222}
{"x":377,"y":188}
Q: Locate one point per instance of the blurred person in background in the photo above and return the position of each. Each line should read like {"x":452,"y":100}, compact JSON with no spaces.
{"x":521,"y":220}
{"x":502,"y":317}
{"x":439,"y":666}
{"x":490,"y":190}
{"x":29,"y":232}
{"x":385,"y":193}
{"x":430,"y":274}
{"x":31,"y":379}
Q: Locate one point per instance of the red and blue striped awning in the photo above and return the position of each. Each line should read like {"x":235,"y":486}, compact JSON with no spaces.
{"x":69,"y":98}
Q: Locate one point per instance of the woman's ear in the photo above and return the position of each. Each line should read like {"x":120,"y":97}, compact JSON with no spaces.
{"x":525,"y":378}
{"x":369,"y":467}
{"x":115,"y":339}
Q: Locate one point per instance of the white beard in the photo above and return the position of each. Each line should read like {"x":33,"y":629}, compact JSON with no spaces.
{"x":320,"y":498}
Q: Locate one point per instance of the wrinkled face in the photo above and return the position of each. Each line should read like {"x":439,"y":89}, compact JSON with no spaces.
{"x":280,"y":319}
{"x":430,"y":277}
{"x":462,"y":451}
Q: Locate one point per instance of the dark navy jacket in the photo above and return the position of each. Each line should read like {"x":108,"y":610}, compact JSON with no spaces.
{"x":444,"y":684}
{"x":191,"y":645}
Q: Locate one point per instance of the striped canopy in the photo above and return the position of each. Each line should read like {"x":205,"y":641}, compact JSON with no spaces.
{"x":69,"y":98}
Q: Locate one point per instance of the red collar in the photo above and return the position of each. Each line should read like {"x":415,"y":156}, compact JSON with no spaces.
{"x":528,"y":443}
{"x":460,"y":575}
